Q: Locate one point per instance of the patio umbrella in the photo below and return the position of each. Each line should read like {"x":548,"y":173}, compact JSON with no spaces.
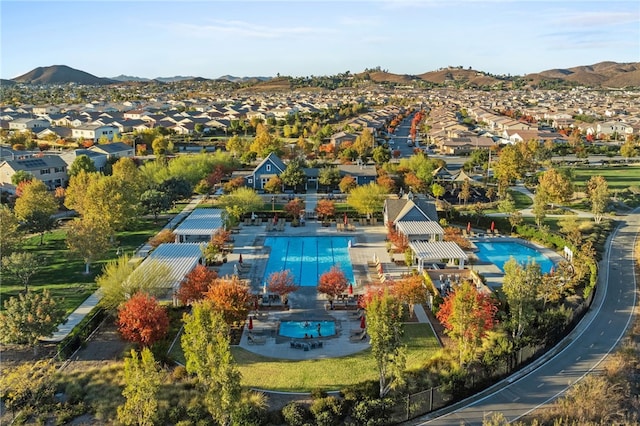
{"x":264,"y":288}
{"x":250,"y":323}
{"x":275,"y":218}
{"x":346,"y":220}
{"x":351,"y":289}
{"x":240,"y":259}
{"x":363,"y":323}
{"x":493,"y":226}
{"x":468,"y":226}
{"x":551,"y":271}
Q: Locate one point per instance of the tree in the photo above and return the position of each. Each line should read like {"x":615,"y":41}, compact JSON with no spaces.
{"x":328,"y":176}
{"x":21,"y":176}
{"x":507,"y":204}
{"x":367,"y":199}
{"x":411,"y":290}
{"x":10,"y":234}
{"x":241,"y":201}
{"x":347,"y":183}
{"x":556,"y":186}
{"x":293,"y":176}
{"x":264,"y":143}
{"x":122,"y":279}
{"x":325,"y":209}
{"x":437,"y":190}
{"x":467,"y":315}
{"x":465,"y":191}
{"x":508,"y":168}
{"x":294,"y":208}
{"x":281,"y":283}
{"x":76,"y":193}
{"x":384,"y":327}
{"x":82,"y":162}
{"x":164,"y":236}
{"x":113,"y":200}
{"x":89,"y":238}
{"x":205,"y":343}
{"x":160,"y":146}
{"x":520,"y":288}
{"x":154,"y":202}
{"x":273,"y":185}
{"x":28,"y":317}
{"x":628,"y":149}
{"x":22,"y":265}
{"x":598,"y":193}
{"x":195,"y":284}
{"x":539,"y":208}
{"x":515,"y":219}
{"x":35,"y":207}
{"x":414,"y":183}
{"x":142,"y":381}
{"x":380,"y":155}
{"x":142,"y":320}
{"x":176,"y":188}
{"x":333,"y":283}
{"x":231,"y":297}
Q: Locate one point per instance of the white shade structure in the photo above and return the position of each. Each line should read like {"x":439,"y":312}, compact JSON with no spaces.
{"x":200,"y":225}
{"x":433,"y":252}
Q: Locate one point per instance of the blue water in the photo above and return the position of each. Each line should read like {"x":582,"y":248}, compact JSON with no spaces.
{"x":297,"y":329}
{"x":308,"y":257}
{"x":499,"y":253}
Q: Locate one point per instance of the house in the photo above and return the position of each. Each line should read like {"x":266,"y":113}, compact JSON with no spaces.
{"x":409,"y":207}
{"x":339,"y":138}
{"x":21,"y":124}
{"x":99,"y":159}
{"x":113,"y":150}
{"x":363,"y":174}
{"x":51,"y":170}
{"x":271,"y":166}
{"x":94,"y":132}
{"x":59,"y":132}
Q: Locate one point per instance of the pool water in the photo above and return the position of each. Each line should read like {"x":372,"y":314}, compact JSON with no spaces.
{"x":308,"y":257}
{"x":297,"y":329}
{"x":499,"y":253}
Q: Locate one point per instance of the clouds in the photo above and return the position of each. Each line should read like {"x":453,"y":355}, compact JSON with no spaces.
{"x":243,"y":29}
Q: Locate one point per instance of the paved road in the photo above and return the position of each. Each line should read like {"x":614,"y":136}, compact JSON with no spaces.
{"x":595,"y":337}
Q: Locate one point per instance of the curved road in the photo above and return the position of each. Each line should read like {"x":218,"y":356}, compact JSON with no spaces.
{"x":580,"y":353}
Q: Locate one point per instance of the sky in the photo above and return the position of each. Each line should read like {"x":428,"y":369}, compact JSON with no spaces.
{"x":211,"y":38}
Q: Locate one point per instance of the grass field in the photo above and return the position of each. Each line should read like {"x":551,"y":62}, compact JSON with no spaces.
{"x":617,"y":177}
{"x":328,"y":374}
{"x":63,"y":273}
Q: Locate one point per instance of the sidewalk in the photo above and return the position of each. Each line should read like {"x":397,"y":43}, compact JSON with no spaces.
{"x":92,"y":301}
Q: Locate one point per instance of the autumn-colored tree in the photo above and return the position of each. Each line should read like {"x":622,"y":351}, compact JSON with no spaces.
{"x":347,"y":183}
{"x":325,"y":209}
{"x":232,"y":297}
{"x":386,"y":181}
{"x":164,"y":236}
{"x":467,"y":315}
{"x":195,"y":284}
{"x":273,"y":185}
{"x":142,"y":320}
{"x":598,"y":193}
{"x":556,"y":186}
{"x":332,"y":283}
{"x":437,"y":190}
{"x":367,"y":199}
{"x":410,"y":289}
{"x":465,"y":191}
{"x":414,"y":183}
{"x":142,"y":384}
{"x":89,"y":238}
{"x":399,"y":240}
{"x":294,"y":208}
{"x":10,"y":233}
{"x":454,"y":234}
{"x":282,"y":283}
{"x":35,"y":208}
{"x":28,"y":317}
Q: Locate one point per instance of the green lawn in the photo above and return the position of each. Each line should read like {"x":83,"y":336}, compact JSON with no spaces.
{"x":617,"y":177}
{"x":329,"y":374}
{"x":63,"y":273}
{"x":521,"y":200}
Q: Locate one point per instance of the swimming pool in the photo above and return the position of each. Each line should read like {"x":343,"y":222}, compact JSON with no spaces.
{"x":308,"y":257}
{"x":500,"y":252}
{"x":298,"y":329}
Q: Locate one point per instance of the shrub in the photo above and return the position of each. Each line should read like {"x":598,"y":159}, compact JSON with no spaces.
{"x":318,"y":393}
{"x":295,"y":414}
{"x":363,"y":390}
{"x":328,"y":411}
{"x":371,"y":412}
{"x":248,"y":415}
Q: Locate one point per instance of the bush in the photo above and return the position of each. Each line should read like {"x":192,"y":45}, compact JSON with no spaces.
{"x":364,"y":390}
{"x":328,"y":411}
{"x":371,"y":412}
{"x":318,"y":393}
{"x":248,"y":415}
{"x":295,"y":414}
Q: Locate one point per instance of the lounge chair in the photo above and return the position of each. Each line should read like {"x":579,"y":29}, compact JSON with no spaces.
{"x":356,"y":331}
{"x":358,"y":337}
{"x":256,"y":340}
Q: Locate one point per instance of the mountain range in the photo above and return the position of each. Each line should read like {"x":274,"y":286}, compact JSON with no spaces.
{"x":603,"y":74}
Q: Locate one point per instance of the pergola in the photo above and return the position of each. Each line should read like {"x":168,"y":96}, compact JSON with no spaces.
{"x":433,"y":252}
{"x":179,"y":258}
{"x":420,"y":230}
{"x":200,"y":225}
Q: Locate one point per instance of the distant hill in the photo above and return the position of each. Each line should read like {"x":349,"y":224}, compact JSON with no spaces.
{"x":173,"y":79}
{"x":602,"y":74}
{"x":60,"y":74}
{"x":123,"y":77}
{"x":5,"y":83}
{"x":461,"y":75}
{"x":387,"y":77}
{"x":234,"y":79}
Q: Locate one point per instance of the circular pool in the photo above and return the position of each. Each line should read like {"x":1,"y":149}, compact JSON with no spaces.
{"x":298,"y":329}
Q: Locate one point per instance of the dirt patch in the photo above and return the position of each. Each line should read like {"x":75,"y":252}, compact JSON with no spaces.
{"x":105,"y":345}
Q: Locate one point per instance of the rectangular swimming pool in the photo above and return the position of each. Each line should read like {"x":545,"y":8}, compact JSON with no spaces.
{"x":499,"y":252}
{"x":308,"y":257}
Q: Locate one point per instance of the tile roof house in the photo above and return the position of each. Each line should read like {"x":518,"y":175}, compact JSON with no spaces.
{"x":113,"y":150}
{"x":271,"y":166}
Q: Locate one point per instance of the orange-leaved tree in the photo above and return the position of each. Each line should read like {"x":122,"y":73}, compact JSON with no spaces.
{"x":294,"y":208}
{"x":142,"y":320}
{"x":410,"y":289}
{"x":195,"y":284}
{"x":467,"y":315}
{"x":231,"y":297}
{"x":333,"y":282}
{"x":282,"y":283}
{"x":325,"y":209}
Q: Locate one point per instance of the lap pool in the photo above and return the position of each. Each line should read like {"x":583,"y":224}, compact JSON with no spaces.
{"x":308,"y":257}
{"x":311,"y":329}
{"x":500,"y":252}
